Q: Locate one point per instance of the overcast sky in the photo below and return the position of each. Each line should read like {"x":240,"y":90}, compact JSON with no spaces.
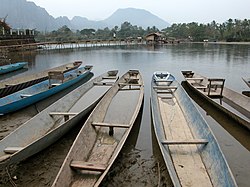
{"x":172,"y":11}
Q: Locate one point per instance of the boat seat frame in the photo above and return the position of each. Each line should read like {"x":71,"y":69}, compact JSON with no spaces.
{"x":215,"y":83}
{"x":56,"y":75}
{"x":111,"y":77}
{"x":110,"y":125}
{"x":166,"y":97}
{"x":65,"y":114}
{"x":165,"y":87}
{"x":200,"y":79}
{"x":185,"y":142}
{"x":82,"y":165}
{"x":103,"y":83}
{"x":129,"y":86}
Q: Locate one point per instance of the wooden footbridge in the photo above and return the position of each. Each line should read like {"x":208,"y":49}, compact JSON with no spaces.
{"x":68,"y":44}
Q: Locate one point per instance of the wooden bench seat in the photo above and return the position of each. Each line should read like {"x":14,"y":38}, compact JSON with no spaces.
{"x":164,"y":91}
{"x":111,"y":77}
{"x":124,"y":89}
{"x":63,"y":113}
{"x":195,"y":78}
{"x":110,"y":125}
{"x":103,"y":83}
{"x":131,"y":79}
{"x":180,"y":142}
{"x":164,"y":87}
{"x":129,"y":84}
{"x":200,"y":87}
{"x":167,"y":97}
{"x":87,"y":166}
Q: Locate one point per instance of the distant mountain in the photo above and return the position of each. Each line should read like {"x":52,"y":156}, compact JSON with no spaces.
{"x":25,"y":14}
{"x":81,"y":23}
{"x":137,"y":17}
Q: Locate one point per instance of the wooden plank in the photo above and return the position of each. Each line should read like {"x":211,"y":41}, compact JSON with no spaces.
{"x":200,"y":87}
{"x":195,"y":78}
{"x":181,"y":142}
{"x":165,"y":87}
{"x":166,"y":97}
{"x":63,"y":113}
{"x":129,"y":84}
{"x":187,"y":161}
{"x":103,"y":83}
{"x":87,"y":166}
{"x":12,"y":150}
{"x":109,"y":77}
{"x":162,"y":80}
{"x":131,"y":79}
{"x":110,"y":125}
{"x":164,"y":92}
{"x":125,"y":89}
{"x":216,"y":79}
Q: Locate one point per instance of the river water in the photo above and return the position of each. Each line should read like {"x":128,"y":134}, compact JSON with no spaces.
{"x":231,"y":62}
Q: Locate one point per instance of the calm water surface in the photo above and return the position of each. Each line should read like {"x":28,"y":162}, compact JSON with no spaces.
{"x":226,"y":61}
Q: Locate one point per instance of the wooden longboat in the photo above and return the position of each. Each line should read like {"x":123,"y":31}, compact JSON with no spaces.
{"x":189,"y":149}
{"x":57,"y":82}
{"x":15,"y":84}
{"x":12,"y":67}
{"x":232,"y":103}
{"x":54,"y":121}
{"x":103,"y":135}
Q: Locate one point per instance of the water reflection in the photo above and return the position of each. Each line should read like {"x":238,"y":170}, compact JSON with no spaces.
{"x":13,"y":73}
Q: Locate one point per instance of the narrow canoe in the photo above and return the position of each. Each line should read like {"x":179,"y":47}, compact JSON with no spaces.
{"x":12,"y":67}
{"x":234,"y":104}
{"x":42,"y":90}
{"x":190,"y":150}
{"x":53,"y":122}
{"x":15,"y":84}
{"x":104,"y":133}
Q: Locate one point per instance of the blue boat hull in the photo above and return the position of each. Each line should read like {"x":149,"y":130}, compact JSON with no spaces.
{"x":12,"y":67}
{"x":14,"y":101}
